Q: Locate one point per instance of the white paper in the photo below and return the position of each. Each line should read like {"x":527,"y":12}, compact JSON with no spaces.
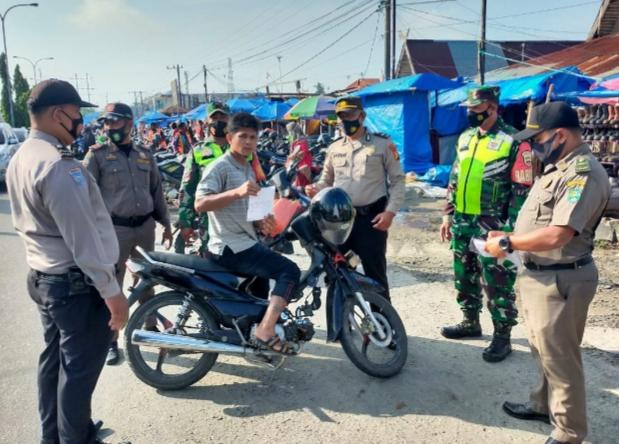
{"x":261,"y":205}
{"x":479,"y":245}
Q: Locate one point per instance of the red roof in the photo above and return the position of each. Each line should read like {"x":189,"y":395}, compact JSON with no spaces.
{"x":357,"y":85}
{"x":596,"y":58}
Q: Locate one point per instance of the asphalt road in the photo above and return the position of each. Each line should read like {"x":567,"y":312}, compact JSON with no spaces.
{"x":446,"y":393}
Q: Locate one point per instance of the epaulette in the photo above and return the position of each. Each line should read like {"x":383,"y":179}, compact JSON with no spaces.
{"x":65,"y":153}
{"x":582,"y":165}
{"x":381,"y":135}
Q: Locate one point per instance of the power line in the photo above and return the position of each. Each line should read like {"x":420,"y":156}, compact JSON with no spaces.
{"x":294,"y":31}
{"x":324,"y":49}
{"x":367,"y":66}
{"x":336,"y":21}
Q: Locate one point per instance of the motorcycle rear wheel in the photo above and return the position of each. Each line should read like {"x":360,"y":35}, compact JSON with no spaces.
{"x":356,"y":338}
{"x":155,"y":377}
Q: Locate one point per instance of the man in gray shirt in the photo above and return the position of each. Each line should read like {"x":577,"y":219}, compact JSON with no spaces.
{"x":71,"y":249}
{"x":224,"y":193}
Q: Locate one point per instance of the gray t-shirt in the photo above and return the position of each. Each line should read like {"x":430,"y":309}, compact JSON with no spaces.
{"x":228,"y":226}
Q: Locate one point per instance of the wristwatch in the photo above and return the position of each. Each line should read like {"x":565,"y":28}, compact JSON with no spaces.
{"x":506,"y":244}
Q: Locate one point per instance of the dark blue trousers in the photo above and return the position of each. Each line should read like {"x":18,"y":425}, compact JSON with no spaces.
{"x":77,"y":336}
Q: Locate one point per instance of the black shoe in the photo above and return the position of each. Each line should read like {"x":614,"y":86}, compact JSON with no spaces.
{"x":465,"y":329}
{"x":551,"y":440}
{"x":521,"y":411}
{"x":498,"y":349}
{"x":112,"y":355}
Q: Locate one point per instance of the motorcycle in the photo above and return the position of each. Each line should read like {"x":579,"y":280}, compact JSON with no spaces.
{"x":207,"y":310}
{"x":171,"y":167}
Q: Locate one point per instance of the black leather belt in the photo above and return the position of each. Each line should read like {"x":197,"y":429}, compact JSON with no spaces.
{"x":373,"y":208}
{"x":132,"y":222}
{"x":77,"y":280}
{"x":571,"y":266}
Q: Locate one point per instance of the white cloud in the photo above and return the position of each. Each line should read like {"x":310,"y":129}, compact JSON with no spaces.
{"x":117,"y":15}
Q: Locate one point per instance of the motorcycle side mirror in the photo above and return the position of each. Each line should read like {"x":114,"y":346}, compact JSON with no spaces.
{"x":281,"y":182}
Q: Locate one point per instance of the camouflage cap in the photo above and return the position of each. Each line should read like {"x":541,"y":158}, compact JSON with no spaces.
{"x":477,"y":96}
{"x":348,"y":103}
{"x":217,"y":107}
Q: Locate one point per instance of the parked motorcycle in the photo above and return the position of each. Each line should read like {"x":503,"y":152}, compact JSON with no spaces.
{"x":171,"y":167}
{"x":208,"y":310}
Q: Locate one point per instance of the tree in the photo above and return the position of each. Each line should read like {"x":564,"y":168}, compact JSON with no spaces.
{"x":320,"y":89}
{"x":5,"y":90}
{"x":22,"y":91}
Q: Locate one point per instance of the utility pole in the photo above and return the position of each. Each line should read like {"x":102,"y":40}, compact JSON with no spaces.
{"x":230,"y":77}
{"x":179,"y":93}
{"x":187,"y":96}
{"x":135,"y":101}
{"x":387,"y":6}
{"x":141,"y":103}
{"x":205,"y":86}
{"x":481,"y":57}
{"x":88,"y":88}
{"x":77,"y":83}
{"x":394,"y":34}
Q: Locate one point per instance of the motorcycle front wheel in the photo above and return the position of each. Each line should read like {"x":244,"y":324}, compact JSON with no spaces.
{"x":379,"y":357}
{"x":163,"y":368}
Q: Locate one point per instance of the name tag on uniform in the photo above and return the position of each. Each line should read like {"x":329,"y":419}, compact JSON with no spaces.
{"x":494,"y":145}
{"x":111,"y":157}
{"x":144,"y":161}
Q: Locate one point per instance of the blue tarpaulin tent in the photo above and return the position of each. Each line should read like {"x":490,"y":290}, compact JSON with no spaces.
{"x":198,"y":113}
{"x":243,"y":104}
{"x":272,"y":111}
{"x":91,"y":117}
{"x":400,"y":108}
{"x":450,"y":118}
{"x":153,"y":117}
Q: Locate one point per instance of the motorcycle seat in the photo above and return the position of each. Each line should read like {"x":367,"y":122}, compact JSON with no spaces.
{"x":188,"y":261}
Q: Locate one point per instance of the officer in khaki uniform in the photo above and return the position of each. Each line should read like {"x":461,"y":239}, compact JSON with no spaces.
{"x":71,"y":249}
{"x":366,"y":166}
{"x":555,"y":231}
{"x":131,"y":188}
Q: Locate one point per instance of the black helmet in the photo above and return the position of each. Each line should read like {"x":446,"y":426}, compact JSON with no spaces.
{"x":333,"y":214}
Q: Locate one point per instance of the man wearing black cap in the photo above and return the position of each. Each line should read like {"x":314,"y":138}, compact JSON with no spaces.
{"x":131,"y":188}
{"x":71,"y":249}
{"x":198,"y":159}
{"x":554,"y":233}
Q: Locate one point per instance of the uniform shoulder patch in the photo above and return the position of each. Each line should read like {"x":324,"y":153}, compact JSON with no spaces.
{"x":582,"y":165}
{"x":77,"y":176}
{"x":394,"y":151}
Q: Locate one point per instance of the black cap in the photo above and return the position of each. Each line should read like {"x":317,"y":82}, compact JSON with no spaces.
{"x":548,"y":116}
{"x":116,"y":111}
{"x":53,"y":92}
{"x":348,"y":103}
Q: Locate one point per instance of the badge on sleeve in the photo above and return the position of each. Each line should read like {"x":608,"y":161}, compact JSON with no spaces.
{"x":575,"y":188}
{"x":394,"y":151}
{"x":77,"y":176}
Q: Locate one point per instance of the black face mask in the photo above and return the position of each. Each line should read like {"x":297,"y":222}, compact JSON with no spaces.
{"x":75,"y":124}
{"x":116,"y":135}
{"x":219,"y":127}
{"x":351,"y":126}
{"x":476,"y":119}
{"x":544,"y":151}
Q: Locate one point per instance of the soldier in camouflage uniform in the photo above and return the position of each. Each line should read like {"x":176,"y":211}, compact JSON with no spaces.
{"x":489,"y":183}
{"x":198,"y":158}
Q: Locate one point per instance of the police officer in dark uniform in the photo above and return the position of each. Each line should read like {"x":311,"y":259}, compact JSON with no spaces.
{"x":71,"y":250}
{"x":366,"y":166}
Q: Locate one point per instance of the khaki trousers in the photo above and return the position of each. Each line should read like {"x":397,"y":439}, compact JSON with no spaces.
{"x":129,"y":238}
{"x":555,"y":305}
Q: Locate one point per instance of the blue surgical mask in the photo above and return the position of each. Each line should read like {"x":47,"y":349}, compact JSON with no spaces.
{"x":544,"y":151}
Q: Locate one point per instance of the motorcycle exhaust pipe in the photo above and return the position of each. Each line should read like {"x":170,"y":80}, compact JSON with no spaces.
{"x":179,"y":342}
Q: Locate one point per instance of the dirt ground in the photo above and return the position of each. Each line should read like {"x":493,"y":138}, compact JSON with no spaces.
{"x":419,"y":226}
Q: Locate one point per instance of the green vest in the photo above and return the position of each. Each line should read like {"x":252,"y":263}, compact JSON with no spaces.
{"x":484,"y":176}
{"x":206,"y":153}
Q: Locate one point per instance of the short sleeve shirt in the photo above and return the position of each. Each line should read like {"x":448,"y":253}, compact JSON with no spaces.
{"x":572,"y":193}
{"x":228,"y":226}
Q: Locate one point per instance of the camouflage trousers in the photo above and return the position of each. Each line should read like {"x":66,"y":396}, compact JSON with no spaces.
{"x":474,"y":272}
{"x":200,"y":224}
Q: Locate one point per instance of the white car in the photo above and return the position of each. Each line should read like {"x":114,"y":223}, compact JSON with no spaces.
{"x":9,"y":143}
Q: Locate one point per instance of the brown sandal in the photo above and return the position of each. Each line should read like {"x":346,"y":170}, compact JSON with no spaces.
{"x":270,"y":344}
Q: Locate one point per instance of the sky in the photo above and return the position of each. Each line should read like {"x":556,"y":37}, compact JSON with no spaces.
{"x":128,"y":45}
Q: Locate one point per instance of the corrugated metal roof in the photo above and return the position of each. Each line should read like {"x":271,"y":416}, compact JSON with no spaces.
{"x":596,"y":58}
{"x":453,"y":58}
{"x":357,"y":85}
{"x":607,"y":20}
